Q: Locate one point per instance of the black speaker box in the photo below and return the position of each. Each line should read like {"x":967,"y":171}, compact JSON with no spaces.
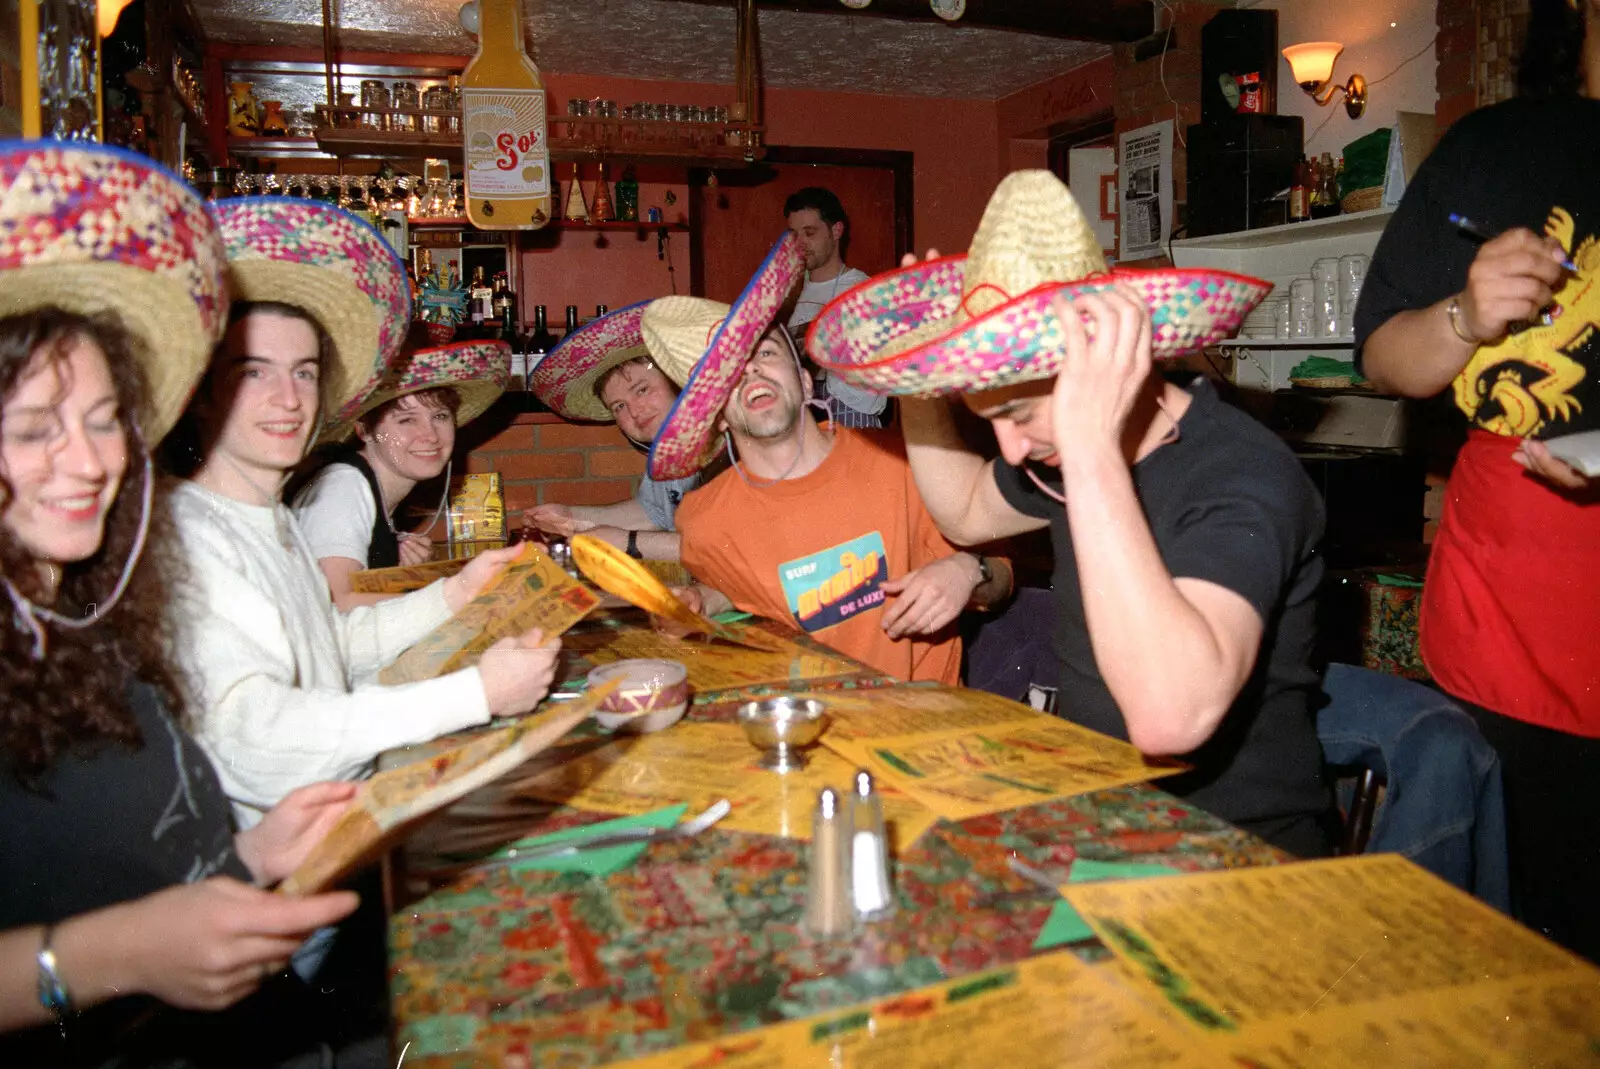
{"x":1237,"y":165}
{"x":1236,"y":42}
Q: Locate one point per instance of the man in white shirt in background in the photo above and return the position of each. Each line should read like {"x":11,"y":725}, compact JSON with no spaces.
{"x":817,"y":218}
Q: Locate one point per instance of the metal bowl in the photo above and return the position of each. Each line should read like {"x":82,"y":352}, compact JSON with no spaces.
{"x":781,"y":727}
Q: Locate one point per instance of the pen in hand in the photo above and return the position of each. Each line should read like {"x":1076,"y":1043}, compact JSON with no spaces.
{"x":1483,"y":233}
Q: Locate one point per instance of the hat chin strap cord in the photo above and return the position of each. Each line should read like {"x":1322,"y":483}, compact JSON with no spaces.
{"x":29,"y":614}
{"x":1172,"y":435}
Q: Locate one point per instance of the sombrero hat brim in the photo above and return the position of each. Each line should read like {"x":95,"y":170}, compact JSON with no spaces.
{"x":97,"y":230}
{"x":173,"y":346}
{"x":476,"y":370}
{"x":903,"y":332}
{"x":567,"y":376}
{"x":333,"y":266}
{"x":683,"y":443}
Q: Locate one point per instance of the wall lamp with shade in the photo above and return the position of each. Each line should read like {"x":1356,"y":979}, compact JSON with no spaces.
{"x":1312,"y":66}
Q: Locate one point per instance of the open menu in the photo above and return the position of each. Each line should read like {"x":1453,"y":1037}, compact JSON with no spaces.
{"x":966,"y":753}
{"x":613,"y":571}
{"x":532,"y":591}
{"x":389,"y":803}
{"x":1366,"y":960}
{"x":1052,"y":1010}
{"x":405,"y":577}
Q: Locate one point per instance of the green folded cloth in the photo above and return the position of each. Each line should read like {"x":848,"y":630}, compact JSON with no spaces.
{"x":732,"y":616}
{"x":601,"y":862}
{"x":1064,"y":925}
{"x":1366,"y":162}
{"x":1325,"y":367}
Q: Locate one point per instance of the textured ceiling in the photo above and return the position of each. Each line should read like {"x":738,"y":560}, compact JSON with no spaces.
{"x":669,"y":41}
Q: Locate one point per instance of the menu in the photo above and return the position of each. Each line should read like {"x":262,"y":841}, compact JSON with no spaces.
{"x":531,"y":591}
{"x":390,"y":801}
{"x":713,"y":667}
{"x":699,"y":763}
{"x":1358,"y":960}
{"x":613,"y":571}
{"x":964,"y":753}
{"x":1051,"y":1010}
{"x":405,"y":577}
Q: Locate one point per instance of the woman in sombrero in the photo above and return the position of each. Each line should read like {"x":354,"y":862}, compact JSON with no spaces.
{"x":1186,"y":534}
{"x":604,"y":373}
{"x":122,"y":879}
{"x":321,"y":307}
{"x":401,"y":435}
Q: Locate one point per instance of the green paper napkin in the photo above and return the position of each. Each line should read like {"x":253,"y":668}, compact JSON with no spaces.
{"x":1064,"y":925}
{"x":601,"y":862}
{"x":732,"y":616}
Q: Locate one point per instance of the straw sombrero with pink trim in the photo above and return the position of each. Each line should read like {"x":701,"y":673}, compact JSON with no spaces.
{"x":704,"y":346}
{"x":985,"y":320}
{"x":567,"y":377}
{"x":476,"y":370}
{"x":93,"y":230}
{"x":333,"y":266}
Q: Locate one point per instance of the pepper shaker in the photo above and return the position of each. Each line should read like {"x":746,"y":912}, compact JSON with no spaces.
{"x":869,"y":853}
{"x":828,"y":905}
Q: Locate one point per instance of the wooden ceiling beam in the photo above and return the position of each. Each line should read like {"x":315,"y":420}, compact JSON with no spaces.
{"x":1104,"y":21}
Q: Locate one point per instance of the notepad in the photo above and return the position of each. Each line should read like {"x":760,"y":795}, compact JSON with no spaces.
{"x":1582,"y":451}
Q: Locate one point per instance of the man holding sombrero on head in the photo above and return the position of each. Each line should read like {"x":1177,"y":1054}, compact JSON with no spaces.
{"x":275,"y":670}
{"x":1185,"y":533}
{"x":399,"y":435}
{"x":819,"y":526}
{"x":601,"y":373}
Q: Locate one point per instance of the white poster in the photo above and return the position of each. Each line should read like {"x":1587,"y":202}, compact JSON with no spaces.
{"x":1145,"y":176}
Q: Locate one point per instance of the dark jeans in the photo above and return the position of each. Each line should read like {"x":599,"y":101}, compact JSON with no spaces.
{"x":1552,"y":788}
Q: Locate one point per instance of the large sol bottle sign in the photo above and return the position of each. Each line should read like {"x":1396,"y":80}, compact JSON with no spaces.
{"x":507,"y":155}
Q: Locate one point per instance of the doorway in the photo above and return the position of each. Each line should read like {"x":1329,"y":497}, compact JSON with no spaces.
{"x":737,"y":218}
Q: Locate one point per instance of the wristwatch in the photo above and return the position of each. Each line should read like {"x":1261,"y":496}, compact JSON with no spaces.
{"x":633,"y":546}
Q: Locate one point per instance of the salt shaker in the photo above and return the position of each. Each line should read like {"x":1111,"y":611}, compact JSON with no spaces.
{"x":828,"y":908}
{"x":869,"y":853}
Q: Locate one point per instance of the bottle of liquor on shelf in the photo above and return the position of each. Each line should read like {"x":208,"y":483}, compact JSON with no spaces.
{"x":572,"y":320}
{"x":599,"y":311}
{"x":628,"y":196}
{"x":1326,"y":200}
{"x":602,"y":210}
{"x":541,"y":341}
{"x":1300,"y":192}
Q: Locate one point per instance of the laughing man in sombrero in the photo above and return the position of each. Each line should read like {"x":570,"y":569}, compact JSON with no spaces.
{"x":1185,"y":533}
{"x":818,"y":526}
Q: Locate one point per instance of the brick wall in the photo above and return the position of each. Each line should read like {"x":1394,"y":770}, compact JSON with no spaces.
{"x":1456,"y":75}
{"x":542,"y":460}
{"x":10,"y":69}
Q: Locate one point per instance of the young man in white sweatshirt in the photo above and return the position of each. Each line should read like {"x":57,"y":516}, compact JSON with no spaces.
{"x":279,"y":680}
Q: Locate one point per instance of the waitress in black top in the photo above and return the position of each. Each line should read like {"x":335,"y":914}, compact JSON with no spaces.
{"x":404,"y":434}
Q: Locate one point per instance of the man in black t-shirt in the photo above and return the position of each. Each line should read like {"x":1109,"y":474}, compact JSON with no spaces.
{"x":1186,"y":567}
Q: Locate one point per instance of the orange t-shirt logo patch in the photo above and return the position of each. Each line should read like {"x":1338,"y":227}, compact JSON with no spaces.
{"x":829,"y":587}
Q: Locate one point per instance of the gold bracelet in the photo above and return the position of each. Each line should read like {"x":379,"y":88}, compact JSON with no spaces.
{"x":1452,"y":311}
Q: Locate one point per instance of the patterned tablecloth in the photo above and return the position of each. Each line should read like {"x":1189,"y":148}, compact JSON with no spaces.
{"x":515,"y":969}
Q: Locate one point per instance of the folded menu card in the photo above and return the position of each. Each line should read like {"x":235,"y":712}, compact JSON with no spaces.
{"x":532,"y":591}
{"x":390,"y":803}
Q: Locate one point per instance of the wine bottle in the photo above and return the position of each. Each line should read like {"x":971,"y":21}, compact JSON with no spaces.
{"x":572,"y":321}
{"x":541,"y":341}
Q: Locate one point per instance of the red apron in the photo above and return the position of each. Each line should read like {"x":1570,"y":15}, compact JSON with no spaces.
{"x":1511,"y":607}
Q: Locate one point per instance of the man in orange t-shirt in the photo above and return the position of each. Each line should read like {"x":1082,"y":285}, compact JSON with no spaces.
{"x":823,"y":528}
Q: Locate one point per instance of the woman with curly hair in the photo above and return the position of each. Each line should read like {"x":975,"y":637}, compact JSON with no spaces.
{"x":1511,"y":327}
{"x":122,"y":881}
